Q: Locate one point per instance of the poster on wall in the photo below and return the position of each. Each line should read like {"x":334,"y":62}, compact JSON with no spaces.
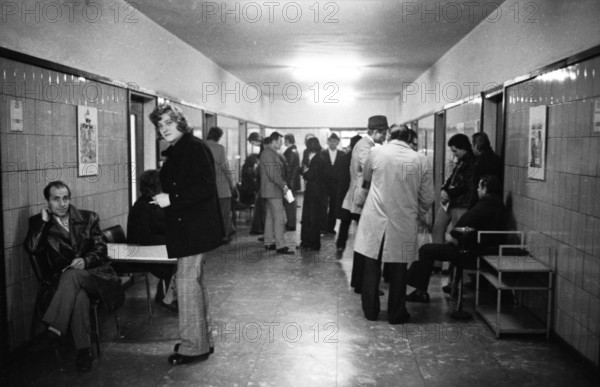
{"x":536,"y":165}
{"x":87,"y":141}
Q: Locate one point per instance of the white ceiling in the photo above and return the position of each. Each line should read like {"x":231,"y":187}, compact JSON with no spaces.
{"x":392,"y":41}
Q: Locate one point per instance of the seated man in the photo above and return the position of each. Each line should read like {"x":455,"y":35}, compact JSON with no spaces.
{"x":488,"y":214}
{"x":71,"y":241}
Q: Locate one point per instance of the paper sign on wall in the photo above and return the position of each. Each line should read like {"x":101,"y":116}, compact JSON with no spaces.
{"x":16,"y":116}
{"x":596,"y":128}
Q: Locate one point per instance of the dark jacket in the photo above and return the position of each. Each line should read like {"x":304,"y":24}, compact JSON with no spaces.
{"x":489,"y":214}
{"x":292,"y":175}
{"x":487,"y":163}
{"x":84,"y":239}
{"x":146,"y":223}
{"x":315,"y":181}
{"x":459,"y":185}
{"x":193,"y":220}
{"x":343,"y":181}
{"x":331,"y":172}
{"x":249,"y":185}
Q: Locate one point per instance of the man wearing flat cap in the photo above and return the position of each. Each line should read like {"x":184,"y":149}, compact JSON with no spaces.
{"x":331,"y":177}
{"x":377,"y":129}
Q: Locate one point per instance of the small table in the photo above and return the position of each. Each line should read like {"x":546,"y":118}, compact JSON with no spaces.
{"x":124,"y":252}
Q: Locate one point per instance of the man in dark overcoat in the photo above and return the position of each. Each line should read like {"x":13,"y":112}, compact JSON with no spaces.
{"x":194,"y":226}
{"x":71,"y":244}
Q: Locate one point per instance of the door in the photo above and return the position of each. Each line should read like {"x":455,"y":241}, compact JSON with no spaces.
{"x":141,"y":139}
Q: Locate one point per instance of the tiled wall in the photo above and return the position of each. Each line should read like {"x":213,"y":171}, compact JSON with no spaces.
{"x":46,"y":150}
{"x":562,"y":213}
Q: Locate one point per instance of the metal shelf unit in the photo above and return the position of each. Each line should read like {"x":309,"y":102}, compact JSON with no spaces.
{"x":518,"y":274}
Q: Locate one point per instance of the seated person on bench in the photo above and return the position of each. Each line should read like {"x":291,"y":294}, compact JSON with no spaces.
{"x":488,"y":214}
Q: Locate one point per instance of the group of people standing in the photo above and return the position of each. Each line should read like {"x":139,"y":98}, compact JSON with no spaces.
{"x":186,"y":205}
{"x":391,"y":190}
{"x":326,"y":173}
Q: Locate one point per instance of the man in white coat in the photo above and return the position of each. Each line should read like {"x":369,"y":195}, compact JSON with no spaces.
{"x":377,"y":129}
{"x":401,"y":189}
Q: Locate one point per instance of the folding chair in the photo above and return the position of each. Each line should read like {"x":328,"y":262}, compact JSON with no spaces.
{"x":115,"y":234}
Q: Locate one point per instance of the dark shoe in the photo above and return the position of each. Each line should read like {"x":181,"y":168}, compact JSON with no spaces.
{"x":470,"y":285}
{"x":84,"y":360}
{"x":173,"y":307}
{"x":288,"y":228}
{"x":285,"y":250}
{"x":52,"y":338}
{"x":448,"y":289}
{"x":178,"y":359}
{"x":309,"y":247}
{"x":401,"y":320}
{"x":270,"y":247}
{"x":261,"y":239}
{"x":176,"y":349}
{"x":414,"y":297}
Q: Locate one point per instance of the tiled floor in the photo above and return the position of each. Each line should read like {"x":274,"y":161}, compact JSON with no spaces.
{"x":294,"y":321}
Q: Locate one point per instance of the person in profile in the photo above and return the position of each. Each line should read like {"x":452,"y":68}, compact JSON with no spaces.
{"x":73,"y":246}
{"x":146,"y":227}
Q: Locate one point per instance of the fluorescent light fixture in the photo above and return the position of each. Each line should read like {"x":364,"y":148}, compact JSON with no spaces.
{"x":327,"y":73}
{"x":319,"y":68}
{"x":559,"y":75}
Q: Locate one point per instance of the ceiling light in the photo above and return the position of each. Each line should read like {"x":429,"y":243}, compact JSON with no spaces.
{"x":329,"y":73}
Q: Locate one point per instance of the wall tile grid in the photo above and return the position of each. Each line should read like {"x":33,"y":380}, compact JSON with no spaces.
{"x":46,"y":150}
{"x":561,"y":215}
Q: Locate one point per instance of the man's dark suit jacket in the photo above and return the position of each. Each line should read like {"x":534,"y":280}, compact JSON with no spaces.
{"x":85,"y":240}
{"x":489,"y":214}
{"x":332,"y":171}
{"x":292,"y":166}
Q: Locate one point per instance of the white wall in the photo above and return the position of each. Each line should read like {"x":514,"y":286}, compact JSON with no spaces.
{"x":506,"y":45}
{"x":331,"y":115}
{"x":131,"y":51}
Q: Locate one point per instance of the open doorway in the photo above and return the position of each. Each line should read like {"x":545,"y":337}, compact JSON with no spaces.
{"x":142,"y":140}
{"x":493,"y":119}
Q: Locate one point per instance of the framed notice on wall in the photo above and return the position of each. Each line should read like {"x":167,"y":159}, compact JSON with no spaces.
{"x":536,"y":165}
{"x":87,"y":141}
